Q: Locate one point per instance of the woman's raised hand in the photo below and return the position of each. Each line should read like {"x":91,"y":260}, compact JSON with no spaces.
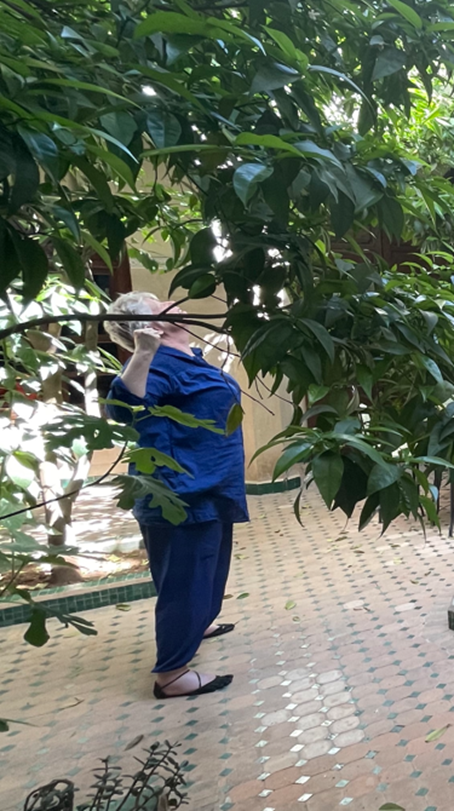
{"x":147,"y":339}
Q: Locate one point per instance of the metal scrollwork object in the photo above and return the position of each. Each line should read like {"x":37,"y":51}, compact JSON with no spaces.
{"x":55,"y":796}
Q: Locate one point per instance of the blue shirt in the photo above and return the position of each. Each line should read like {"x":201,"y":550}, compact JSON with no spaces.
{"x":215,"y":488}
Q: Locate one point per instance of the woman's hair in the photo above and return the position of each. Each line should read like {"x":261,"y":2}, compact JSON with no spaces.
{"x":122,"y":332}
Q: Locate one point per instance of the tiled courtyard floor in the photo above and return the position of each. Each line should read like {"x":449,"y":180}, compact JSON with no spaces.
{"x":343,"y":666}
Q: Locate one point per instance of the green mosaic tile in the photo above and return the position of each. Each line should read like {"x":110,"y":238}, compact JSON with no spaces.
{"x":73,"y":603}
{"x":272,"y":487}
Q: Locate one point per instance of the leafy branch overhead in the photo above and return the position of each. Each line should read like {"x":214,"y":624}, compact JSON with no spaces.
{"x":252,"y":106}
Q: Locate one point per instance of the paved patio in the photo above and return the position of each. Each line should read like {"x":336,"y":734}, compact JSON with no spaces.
{"x":343,"y":666}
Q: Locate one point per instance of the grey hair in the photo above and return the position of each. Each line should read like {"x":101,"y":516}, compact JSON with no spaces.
{"x":122,"y":332}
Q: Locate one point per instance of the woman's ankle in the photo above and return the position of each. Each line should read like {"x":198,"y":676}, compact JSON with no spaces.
{"x":170,"y":675}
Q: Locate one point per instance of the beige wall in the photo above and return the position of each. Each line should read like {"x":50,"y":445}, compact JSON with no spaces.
{"x":259,"y":424}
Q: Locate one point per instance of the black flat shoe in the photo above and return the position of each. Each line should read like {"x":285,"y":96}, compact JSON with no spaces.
{"x":221,"y":630}
{"x":218,"y":683}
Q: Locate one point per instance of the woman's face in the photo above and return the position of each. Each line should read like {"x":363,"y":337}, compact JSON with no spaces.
{"x":167,"y":328}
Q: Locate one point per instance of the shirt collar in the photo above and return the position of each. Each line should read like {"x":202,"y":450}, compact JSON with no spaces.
{"x":170,"y":350}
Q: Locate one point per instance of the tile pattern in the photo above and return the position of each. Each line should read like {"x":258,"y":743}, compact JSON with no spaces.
{"x":343,"y":666}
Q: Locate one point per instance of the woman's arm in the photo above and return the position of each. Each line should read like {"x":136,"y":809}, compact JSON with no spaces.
{"x":135,"y":375}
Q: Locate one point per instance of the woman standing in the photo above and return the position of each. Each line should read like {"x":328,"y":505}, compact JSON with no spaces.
{"x":190,"y":562}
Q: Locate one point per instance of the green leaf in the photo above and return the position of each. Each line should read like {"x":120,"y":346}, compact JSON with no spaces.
{"x":157,"y":495}
{"x":407,"y":12}
{"x":443,"y":26}
{"x":185,"y":278}
{"x":369,"y":509}
{"x":234,"y":419}
{"x":203,"y":286}
{"x":68,"y":218}
{"x":94,"y":88}
{"x":436,"y":734}
{"x":391,"y":216}
{"x":42,"y":148}
{"x":382,"y":476}
{"x":120,"y":125}
{"x":30,"y":12}
{"x":163,"y":128}
{"x":34,"y":264}
{"x":9,"y":260}
{"x":98,"y":248}
{"x":170,"y":22}
{"x":389,"y":505}
{"x":97,"y":180}
{"x":36,"y":634}
{"x":167,"y":80}
{"x":123,"y":607}
{"x":289,"y":605}
{"x":292,"y":455}
{"x":120,"y":168}
{"x":361,"y":445}
{"x":173,"y":413}
{"x":202,"y":247}
{"x":342,"y":215}
{"x":315,"y":410}
{"x":388,"y":61}
{"x":247,"y":177}
{"x":328,"y":469}
{"x":365,"y":379}
{"x":297,"y":508}
{"x":431,"y":509}
{"x":284,"y":42}
{"x":433,"y":460}
{"x":411,"y":493}
{"x":322,"y":335}
{"x":71,"y":261}
{"x":26,"y":176}
{"x":312,"y":150}
{"x":391,"y":807}
{"x":317,"y":393}
{"x":234,"y":30}
{"x":364,"y":191}
{"x":432,"y":368}
{"x":272,"y":76}
{"x":338,"y":75}
{"x":243,"y":595}
{"x":147,"y":459}
{"x":267,"y":142}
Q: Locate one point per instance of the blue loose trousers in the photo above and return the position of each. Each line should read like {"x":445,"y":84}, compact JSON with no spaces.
{"x":189,"y":565}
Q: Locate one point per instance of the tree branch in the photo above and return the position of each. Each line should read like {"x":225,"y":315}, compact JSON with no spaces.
{"x":194,"y":320}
